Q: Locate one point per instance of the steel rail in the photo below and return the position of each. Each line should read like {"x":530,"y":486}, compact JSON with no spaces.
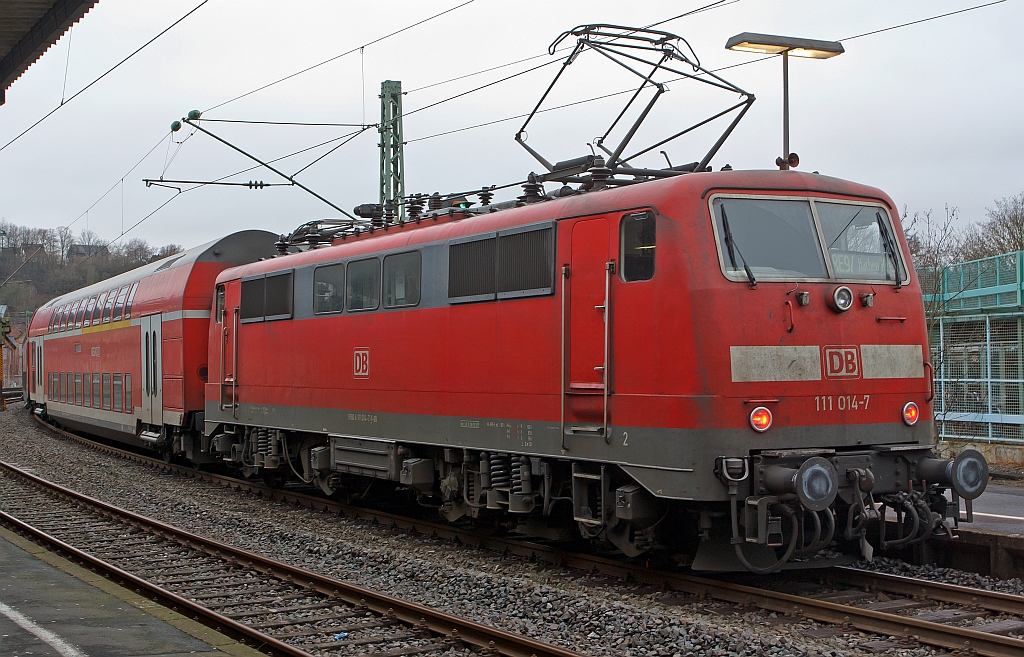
{"x":453,"y":627}
{"x":929,"y":632}
{"x":1005,"y":603}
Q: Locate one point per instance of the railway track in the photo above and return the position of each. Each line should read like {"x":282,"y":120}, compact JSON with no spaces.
{"x":281,"y":609}
{"x":900,"y":609}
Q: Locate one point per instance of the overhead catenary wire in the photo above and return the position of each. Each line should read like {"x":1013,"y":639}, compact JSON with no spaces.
{"x":716,"y":70}
{"x":67,"y":65}
{"x":347,"y":52}
{"x":105,"y":74}
{"x":296,"y":123}
{"x":511,"y":118}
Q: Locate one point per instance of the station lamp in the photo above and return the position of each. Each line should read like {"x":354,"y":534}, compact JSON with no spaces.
{"x":771,"y":44}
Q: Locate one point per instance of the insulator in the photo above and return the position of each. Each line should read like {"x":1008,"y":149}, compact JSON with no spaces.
{"x":485,"y":195}
{"x":414,"y":206}
{"x":599,"y":173}
{"x":281,"y":245}
{"x":501,"y":471}
{"x":435,"y":202}
{"x":533,"y":191}
{"x":389,"y":213}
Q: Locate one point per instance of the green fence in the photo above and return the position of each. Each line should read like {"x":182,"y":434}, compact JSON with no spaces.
{"x":976,"y":331}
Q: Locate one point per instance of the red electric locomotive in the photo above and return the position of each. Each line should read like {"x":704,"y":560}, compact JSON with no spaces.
{"x":715,"y":358}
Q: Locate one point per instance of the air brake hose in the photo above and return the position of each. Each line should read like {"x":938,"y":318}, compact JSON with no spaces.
{"x":812,"y":546}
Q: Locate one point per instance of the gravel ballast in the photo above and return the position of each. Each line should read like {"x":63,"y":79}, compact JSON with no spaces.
{"x":588,"y":614}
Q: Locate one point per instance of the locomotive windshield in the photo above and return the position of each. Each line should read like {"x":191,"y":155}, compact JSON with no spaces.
{"x":786,"y":239}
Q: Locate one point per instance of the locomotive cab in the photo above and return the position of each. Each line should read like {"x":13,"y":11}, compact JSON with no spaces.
{"x":832,"y":372}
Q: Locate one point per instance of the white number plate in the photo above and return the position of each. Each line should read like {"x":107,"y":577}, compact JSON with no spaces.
{"x":841,"y":402}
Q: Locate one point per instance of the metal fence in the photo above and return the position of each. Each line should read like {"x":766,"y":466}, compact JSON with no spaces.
{"x":979,"y":377}
{"x":975,"y":315}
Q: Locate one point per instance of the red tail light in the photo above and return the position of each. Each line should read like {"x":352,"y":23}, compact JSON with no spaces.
{"x":911,"y":413}
{"x":761,"y":419}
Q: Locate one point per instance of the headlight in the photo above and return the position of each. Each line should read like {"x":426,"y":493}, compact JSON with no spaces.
{"x":842,"y":299}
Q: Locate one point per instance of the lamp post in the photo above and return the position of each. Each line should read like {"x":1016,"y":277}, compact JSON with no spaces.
{"x":774,"y":45}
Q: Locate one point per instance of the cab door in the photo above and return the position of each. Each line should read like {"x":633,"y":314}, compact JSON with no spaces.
{"x":586,"y":314}
{"x":152,"y":371}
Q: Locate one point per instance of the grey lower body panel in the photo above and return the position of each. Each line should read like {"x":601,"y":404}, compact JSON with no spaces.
{"x":669,"y":462}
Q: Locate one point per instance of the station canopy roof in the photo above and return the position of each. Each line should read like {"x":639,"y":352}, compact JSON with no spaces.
{"x":27,"y":30}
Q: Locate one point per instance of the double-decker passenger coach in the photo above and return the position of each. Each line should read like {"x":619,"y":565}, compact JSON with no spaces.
{"x":125,"y":358}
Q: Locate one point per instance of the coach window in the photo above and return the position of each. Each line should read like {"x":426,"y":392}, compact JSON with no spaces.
{"x":278,"y":304}
{"x":95,"y":390}
{"x":54,"y":318}
{"x":402,"y":280}
{"x":363,"y":289}
{"x":99,"y":309}
{"x":128,"y":408}
{"x":106,"y":391}
{"x":219,"y":310}
{"x":119,"y":304}
{"x":79,"y":316}
{"x":253,"y":299}
{"x":118,"y":399}
{"x":128,"y":303}
{"x":638,"y":242}
{"x":64,"y":317}
{"x":73,"y":315}
{"x":109,"y":306}
{"x":329,"y":289}
{"x":87,"y":389}
{"x":87,"y":319}
{"x":78,"y":388}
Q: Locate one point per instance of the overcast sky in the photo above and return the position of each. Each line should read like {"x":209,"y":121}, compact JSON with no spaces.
{"x":929,"y":113}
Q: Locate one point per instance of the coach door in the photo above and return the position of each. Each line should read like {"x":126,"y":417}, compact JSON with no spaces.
{"x":585,"y":299}
{"x":152,"y":371}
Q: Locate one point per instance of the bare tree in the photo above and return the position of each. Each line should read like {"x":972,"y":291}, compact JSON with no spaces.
{"x":64,"y":239}
{"x":1003,"y":231}
{"x":169,"y":250}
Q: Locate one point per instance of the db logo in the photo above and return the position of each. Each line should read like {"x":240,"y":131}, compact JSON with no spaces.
{"x":361,"y":362}
{"x":841,"y":362}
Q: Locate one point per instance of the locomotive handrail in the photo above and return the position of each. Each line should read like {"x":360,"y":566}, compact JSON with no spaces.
{"x":565,"y":278}
{"x":607,"y":310}
{"x":234,"y":364}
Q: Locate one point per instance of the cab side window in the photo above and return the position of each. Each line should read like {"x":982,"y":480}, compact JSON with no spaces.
{"x":402,"y":280}
{"x":638,"y":245}
{"x":219,"y":311}
{"x":364,"y":284}
{"x":329,"y":289}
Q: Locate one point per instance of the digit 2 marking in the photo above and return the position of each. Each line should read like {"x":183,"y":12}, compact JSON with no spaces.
{"x":625,"y":439}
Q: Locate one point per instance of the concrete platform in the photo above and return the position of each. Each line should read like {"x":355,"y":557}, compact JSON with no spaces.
{"x":51,"y":607}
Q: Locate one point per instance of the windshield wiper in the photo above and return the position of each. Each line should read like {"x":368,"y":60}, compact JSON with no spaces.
{"x":890,"y":248}
{"x":730,"y":244}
